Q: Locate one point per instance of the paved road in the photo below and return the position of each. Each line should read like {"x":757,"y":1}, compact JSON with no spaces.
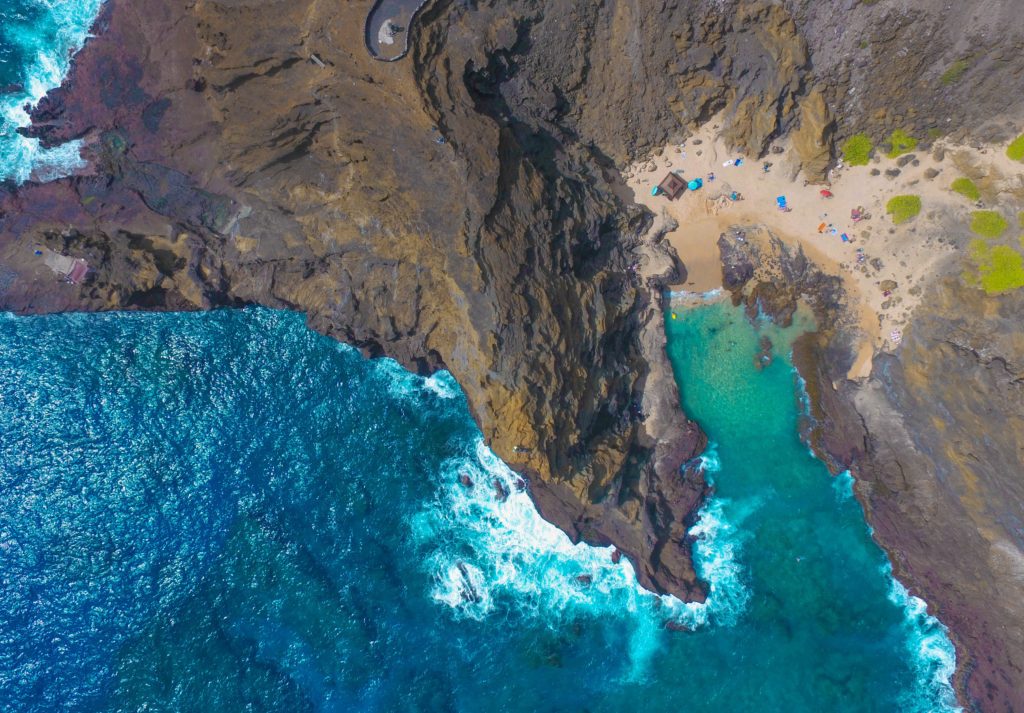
{"x":390,"y":20}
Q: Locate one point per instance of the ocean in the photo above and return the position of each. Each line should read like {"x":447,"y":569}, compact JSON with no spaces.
{"x":225,"y":511}
{"x":37,"y":40}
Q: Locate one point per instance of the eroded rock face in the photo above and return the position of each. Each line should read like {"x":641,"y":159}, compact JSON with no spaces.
{"x":436,"y":211}
{"x":945,"y":446}
{"x":934,"y":439}
{"x":457,"y":209}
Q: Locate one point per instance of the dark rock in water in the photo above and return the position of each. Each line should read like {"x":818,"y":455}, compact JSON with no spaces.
{"x":521,"y":484}
{"x":468,"y":590}
{"x":465,"y":480}
{"x":12,"y":88}
{"x":763,"y":358}
{"x":616,"y":556}
{"x":500,"y":491}
{"x":673,"y":625}
{"x":584,"y":579}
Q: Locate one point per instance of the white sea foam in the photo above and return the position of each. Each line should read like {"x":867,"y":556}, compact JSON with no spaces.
{"x":710,"y":461}
{"x":442,"y":384}
{"x":487,"y":555}
{"x":930,"y":649}
{"x":842,"y":484}
{"x":51,"y":42}
{"x":709,"y":295}
{"x":404,"y":384}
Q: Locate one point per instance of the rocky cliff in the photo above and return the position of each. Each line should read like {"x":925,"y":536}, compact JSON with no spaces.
{"x":458,"y":209}
{"x":934,"y":438}
{"x":941,"y":476}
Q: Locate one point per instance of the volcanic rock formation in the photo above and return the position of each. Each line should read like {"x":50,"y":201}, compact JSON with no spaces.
{"x":457,"y":209}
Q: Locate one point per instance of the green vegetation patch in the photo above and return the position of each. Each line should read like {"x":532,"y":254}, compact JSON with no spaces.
{"x":1020,"y":219}
{"x":988,"y":223}
{"x":901,"y":142}
{"x":857,"y":150}
{"x":1000,"y":268}
{"x":1016,"y":148}
{"x":903,"y":208}
{"x":966,"y":188}
{"x":955,"y":72}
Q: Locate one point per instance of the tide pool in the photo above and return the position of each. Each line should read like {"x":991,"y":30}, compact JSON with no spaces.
{"x":226,"y":511}
{"x":37,"y":40}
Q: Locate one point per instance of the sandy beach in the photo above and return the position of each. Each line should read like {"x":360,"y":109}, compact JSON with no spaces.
{"x":909,"y":255}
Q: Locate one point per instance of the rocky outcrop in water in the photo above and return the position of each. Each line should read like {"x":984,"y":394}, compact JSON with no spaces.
{"x":458,"y":209}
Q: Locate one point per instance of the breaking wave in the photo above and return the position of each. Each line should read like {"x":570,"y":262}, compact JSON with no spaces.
{"x":929,"y":647}
{"x":489,"y":551}
{"x":45,"y":35}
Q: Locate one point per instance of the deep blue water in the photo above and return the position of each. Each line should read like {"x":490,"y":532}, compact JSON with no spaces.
{"x":226,"y":511}
{"x":37,"y":38}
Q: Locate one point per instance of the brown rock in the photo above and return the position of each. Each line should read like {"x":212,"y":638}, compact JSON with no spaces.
{"x":813,"y":138}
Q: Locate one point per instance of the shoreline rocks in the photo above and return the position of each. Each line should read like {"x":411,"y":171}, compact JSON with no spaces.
{"x":458,"y":210}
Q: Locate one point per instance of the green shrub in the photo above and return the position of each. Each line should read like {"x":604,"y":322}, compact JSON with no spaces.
{"x":966,"y":188}
{"x":955,"y":72}
{"x":1016,"y":148}
{"x":903,"y":208}
{"x":1000,"y":268}
{"x":857,"y":150}
{"x":988,"y":223}
{"x":901,"y":142}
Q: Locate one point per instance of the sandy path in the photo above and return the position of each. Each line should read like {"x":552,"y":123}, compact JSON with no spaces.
{"x":909,"y":255}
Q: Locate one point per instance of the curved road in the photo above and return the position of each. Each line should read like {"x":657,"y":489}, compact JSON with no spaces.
{"x":387,"y":28}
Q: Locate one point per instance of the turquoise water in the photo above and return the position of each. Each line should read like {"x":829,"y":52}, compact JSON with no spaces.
{"x":37,"y":39}
{"x":226,"y":511}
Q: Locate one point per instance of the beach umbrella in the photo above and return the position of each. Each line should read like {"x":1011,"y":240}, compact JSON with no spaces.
{"x":694,"y":184}
{"x":781,"y":201}
{"x":826,"y":193}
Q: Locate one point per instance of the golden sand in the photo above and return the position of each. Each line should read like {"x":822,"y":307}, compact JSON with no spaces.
{"x":910,"y":254}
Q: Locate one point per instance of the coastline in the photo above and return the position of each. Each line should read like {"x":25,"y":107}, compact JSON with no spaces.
{"x":553,"y":390}
{"x":910,"y":256}
{"x":769,"y":265}
{"x":211,"y":279}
